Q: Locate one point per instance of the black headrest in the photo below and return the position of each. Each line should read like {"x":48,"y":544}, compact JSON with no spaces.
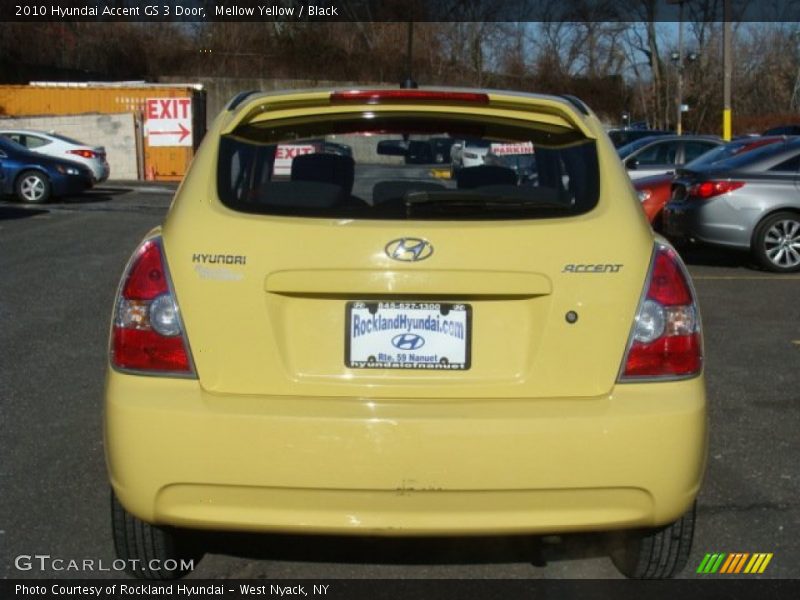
{"x":325,"y":168}
{"x":473,"y":177}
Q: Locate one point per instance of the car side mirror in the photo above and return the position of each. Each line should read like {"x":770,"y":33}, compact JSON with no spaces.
{"x":632,"y":164}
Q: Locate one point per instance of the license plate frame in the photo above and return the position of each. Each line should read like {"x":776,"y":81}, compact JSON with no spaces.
{"x":444,"y":327}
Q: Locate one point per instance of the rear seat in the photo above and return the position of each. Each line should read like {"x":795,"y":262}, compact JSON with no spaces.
{"x":483,"y":175}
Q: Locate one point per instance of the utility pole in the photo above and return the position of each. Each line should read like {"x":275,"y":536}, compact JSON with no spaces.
{"x":677,"y":59}
{"x":679,"y":116}
{"x":728,"y":66}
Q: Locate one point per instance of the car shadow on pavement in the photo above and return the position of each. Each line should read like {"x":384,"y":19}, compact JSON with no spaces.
{"x":364,"y":550}
{"x":104,"y":194}
{"x":715,"y":257}
{"x":13,"y":212}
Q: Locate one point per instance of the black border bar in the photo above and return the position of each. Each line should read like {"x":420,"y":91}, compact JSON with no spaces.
{"x":256,"y":11}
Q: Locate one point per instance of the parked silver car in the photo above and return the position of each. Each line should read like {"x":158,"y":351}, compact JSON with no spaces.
{"x":664,"y":153}
{"x":60,"y":146}
{"x":750,"y":201}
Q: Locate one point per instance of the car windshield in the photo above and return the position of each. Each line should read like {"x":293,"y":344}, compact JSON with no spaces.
{"x":746,"y":159}
{"x":628,"y":149}
{"x":725,"y":152}
{"x":293,"y":168}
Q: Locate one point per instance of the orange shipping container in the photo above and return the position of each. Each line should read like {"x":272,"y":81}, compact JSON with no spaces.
{"x":49,"y":99}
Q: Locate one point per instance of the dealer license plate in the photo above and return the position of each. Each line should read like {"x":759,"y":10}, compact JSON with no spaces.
{"x":408,"y":335}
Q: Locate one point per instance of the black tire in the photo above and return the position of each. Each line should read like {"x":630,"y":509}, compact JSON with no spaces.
{"x":33,"y":187}
{"x":776,"y":243}
{"x":654,"y":553}
{"x":140,"y":545}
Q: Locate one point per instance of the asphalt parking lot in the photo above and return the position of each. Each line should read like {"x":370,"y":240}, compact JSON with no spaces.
{"x":60,"y":265}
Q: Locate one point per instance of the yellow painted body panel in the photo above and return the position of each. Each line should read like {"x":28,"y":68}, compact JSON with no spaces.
{"x":277,"y":434}
{"x":181,"y":455}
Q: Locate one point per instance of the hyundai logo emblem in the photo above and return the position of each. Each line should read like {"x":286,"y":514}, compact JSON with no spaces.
{"x":408,"y":341}
{"x":409,"y":249}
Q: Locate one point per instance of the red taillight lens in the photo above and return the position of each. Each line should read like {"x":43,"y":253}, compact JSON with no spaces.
{"x":682,"y":354}
{"x":83,"y":153}
{"x":149,"y":351}
{"x":146,"y":278}
{"x":147,"y":333}
{"x":668,"y":285}
{"x":666,"y":340}
{"x":379,"y":96}
{"x":710,"y":189}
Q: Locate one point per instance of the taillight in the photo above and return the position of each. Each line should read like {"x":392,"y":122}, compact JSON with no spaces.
{"x":83,"y":153}
{"x":709,"y":189}
{"x":666,"y":341}
{"x":379,"y":96}
{"x":147,"y":333}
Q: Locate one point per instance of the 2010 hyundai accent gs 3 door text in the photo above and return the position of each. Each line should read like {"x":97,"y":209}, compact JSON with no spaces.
{"x":344,"y":342}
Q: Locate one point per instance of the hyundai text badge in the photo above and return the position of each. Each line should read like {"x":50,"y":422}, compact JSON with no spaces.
{"x":409,"y":249}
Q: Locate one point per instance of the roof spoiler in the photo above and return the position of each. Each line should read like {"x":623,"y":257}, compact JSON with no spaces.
{"x":239,"y":98}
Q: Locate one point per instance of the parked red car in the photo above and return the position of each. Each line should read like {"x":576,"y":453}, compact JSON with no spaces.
{"x":654,"y":191}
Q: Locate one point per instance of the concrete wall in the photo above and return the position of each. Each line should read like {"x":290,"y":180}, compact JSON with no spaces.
{"x":115,"y":131}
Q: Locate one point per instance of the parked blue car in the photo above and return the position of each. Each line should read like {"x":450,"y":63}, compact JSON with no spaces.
{"x":35,"y":178}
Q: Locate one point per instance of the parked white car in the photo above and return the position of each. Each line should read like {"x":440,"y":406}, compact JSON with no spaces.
{"x":53,"y":144}
{"x":468,"y":153}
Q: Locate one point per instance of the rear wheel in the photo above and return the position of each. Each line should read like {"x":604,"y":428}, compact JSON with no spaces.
{"x":655,"y":553}
{"x":151,"y":552}
{"x":776,"y":243}
{"x":33,"y":187}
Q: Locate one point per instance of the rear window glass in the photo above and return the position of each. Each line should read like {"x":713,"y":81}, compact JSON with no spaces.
{"x":393,"y":167}
{"x":757,"y":159}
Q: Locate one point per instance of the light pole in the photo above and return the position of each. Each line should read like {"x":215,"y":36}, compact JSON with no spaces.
{"x":680,"y":64}
{"x":679,"y":116}
{"x":677,"y":59}
{"x":728,"y":66}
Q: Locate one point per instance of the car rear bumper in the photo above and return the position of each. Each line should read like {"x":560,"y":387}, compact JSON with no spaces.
{"x":178,"y":455}
{"x":706,"y":222}
{"x":101,"y":172}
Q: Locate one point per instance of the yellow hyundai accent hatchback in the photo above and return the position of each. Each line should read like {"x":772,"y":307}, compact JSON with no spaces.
{"x":330,"y":336}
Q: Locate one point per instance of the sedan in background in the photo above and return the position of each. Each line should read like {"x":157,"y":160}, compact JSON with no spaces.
{"x":665,"y":153}
{"x":621,"y":137}
{"x":60,"y":146}
{"x":654,"y":191}
{"x":467,"y":153}
{"x":35,"y":178}
{"x":784,"y":130}
{"x":750,"y":202}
